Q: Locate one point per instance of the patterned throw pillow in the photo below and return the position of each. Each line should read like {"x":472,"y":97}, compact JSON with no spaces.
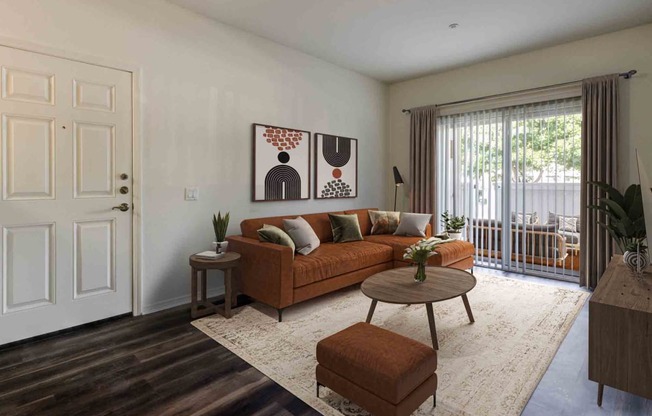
{"x":345,"y":227}
{"x":567,"y":223}
{"x":273,"y":234}
{"x":554,"y":219}
{"x":530,"y":217}
{"x":384,"y":222}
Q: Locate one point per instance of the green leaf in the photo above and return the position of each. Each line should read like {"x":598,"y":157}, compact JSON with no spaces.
{"x":614,"y":208}
{"x":613,"y":193}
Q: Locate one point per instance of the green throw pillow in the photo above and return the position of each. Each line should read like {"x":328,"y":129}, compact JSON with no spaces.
{"x":345,"y":228}
{"x":273,"y":234}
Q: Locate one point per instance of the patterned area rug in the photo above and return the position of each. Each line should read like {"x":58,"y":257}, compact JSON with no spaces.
{"x":490,"y":367}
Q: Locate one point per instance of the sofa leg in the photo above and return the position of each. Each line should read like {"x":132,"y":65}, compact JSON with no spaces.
{"x":471,"y":270}
{"x":318,"y":389}
{"x":280,"y":314}
{"x":434,"y":399}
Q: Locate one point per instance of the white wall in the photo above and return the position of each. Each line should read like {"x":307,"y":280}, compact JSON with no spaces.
{"x":615,"y":52}
{"x":203,"y":85}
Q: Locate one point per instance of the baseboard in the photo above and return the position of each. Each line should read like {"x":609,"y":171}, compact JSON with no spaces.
{"x":178,"y":301}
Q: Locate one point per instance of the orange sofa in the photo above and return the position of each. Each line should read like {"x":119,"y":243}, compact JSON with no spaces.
{"x":269,"y":274}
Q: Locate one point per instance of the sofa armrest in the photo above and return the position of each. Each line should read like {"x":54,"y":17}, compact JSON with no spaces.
{"x":265,"y":271}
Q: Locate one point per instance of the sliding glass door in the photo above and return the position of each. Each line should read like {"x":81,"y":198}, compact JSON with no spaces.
{"x":515,"y":173}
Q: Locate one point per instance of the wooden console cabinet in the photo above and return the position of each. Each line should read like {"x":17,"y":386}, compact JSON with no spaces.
{"x":620,"y":331}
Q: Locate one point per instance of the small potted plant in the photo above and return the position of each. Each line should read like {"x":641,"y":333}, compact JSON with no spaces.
{"x":453,"y":225}
{"x":626,"y":223}
{"x":220,"y":224}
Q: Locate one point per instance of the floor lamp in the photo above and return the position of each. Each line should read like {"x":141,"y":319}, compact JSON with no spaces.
{"x":398,"y":181}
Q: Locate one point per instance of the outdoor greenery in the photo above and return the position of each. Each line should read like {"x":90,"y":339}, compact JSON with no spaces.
{"x":220,"y":224}
{"x":626,"y":223}
{"x":547,"y":145}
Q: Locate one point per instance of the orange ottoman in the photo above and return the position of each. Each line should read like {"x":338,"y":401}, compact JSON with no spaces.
{"x":385,"y":373}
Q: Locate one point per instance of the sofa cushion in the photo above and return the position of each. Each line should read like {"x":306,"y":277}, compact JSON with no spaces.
{"x":318,"y":222}
{"x":363,"y":219}
{"x":445,"y":254}
{"x":334,"y":259}
{"x":345,"y":228}
{"x":398,"y":243}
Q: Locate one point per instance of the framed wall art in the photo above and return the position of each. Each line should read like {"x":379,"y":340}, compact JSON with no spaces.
{"x":281,"y":163}
{"x":336,"y":166}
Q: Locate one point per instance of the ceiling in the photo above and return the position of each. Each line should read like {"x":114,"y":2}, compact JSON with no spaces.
{"x":393,"y":40}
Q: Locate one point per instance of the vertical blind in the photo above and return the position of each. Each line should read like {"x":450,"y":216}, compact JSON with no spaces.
{"x":515,"y":173}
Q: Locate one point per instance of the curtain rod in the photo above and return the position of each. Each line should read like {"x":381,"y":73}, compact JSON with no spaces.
{"x":625,"y":75}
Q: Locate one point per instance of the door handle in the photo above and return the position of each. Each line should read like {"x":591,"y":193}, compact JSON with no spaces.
{"x":122,"y":207}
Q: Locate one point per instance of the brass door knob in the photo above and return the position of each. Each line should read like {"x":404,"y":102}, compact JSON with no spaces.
{"x":122,"y":207}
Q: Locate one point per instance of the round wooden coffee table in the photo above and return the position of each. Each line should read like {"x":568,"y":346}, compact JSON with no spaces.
{"x":398,"y":286}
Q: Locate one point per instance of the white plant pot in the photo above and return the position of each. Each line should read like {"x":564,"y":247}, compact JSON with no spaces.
{"x":220,"y":247}
{"x":454,"y":236}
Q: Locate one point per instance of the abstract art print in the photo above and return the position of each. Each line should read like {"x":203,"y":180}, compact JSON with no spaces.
{"x":336,"y":166}
{"x":281,"y":164}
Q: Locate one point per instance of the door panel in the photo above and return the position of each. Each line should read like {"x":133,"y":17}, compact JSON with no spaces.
{"x":28,"y":149}
{"x":66,"y":138}
{"x":94,"y":256}
{"x":28,"y":86}
{"x":91,"y":96}
{"x":28,"y":274}
{"x":94,"y":160}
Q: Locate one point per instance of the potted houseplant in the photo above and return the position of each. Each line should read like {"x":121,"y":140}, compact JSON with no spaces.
{"x":626,"y":223}
{"x":220,"y":224}
{"x":453,"y":225}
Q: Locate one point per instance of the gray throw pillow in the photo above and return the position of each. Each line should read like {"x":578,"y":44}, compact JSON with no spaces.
{"x":302,"y":234}
{"x":273,"y":234}
{"x":413,"y":224}
{"x":345,"y":228}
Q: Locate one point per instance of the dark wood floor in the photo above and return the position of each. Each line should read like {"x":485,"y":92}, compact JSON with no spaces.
{"x":159,"y":364}
{"x":150,"y":365}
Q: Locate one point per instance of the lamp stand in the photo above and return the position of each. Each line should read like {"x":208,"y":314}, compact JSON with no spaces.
{"x":395,"y":192}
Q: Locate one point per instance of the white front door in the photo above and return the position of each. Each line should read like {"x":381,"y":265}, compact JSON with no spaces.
{"x":66,"y":146}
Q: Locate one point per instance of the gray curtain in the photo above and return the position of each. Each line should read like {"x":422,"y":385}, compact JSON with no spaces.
{"x":599,"y":145}
{"x":423,"y":125}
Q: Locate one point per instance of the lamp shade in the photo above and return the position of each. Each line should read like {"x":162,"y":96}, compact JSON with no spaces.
{"x":398,"y":180}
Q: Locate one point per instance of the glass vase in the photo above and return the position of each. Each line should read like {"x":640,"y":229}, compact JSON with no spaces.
{"x":420,"y":275}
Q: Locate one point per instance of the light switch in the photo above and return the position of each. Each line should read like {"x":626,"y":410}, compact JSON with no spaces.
{"x":192,"y":194}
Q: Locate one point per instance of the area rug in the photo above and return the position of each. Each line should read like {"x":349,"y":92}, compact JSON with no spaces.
{"x":490,"y":367}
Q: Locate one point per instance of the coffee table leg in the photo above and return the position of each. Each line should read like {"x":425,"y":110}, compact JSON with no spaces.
{"x":433,"y":328}
{"x":372,"y":308}
{"x":468,"y":307}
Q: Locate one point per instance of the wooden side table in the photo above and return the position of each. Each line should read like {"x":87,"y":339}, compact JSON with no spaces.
{"x":200,"y":266}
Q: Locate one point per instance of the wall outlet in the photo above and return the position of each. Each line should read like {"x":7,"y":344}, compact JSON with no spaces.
{"x":192,"y":194}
